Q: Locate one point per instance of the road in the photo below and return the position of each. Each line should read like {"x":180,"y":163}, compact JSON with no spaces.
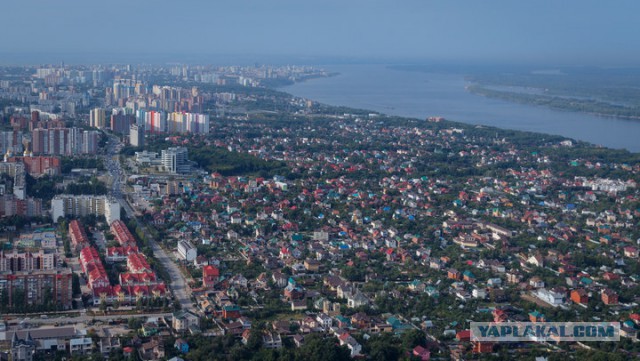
{"x":84,"y":318}
{"x":179,"y":286}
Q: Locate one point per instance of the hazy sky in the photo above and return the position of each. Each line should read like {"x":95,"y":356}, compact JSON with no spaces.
{"x":509,"y":31}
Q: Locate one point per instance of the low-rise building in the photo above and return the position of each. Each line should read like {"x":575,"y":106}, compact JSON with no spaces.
{"x":184,"y":320}
{"x":187,"y":251}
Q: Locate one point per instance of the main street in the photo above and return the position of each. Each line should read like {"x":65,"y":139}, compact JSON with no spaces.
{"x":179,"y":286}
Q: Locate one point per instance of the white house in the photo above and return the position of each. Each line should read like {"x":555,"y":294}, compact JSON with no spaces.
{"x":187,"y":251}
{"x":354,"y":347}
{"x":324,"y":321}
{"x":80,"y":346}
{"x":479,"y":293}
{"x":550,"y":296}
{"x":357,"y":299}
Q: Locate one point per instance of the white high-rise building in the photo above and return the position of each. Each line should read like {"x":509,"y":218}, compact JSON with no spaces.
{"x":98,"y":118}
{"x":136,"y":135}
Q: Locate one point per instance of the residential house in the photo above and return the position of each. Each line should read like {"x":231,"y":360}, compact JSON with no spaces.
{"x":454,"y":274}
{"x":184,"y":320}
{"x":108,"y":343}
{"x":579,"y":296}
{"x":361,"y":320}
{"x":80,"y":346}
{"x":357,"y":300}
{"x":298,"y":340}
{"x":210,"y":276}
{"x":298,"y":305}
{"x":536,"y":282}
{"x":181,"y":345}
{"x":324,"y":321}
{"x":482,"y":347}
{"x":279,"y":279}
{"x":230,"y":311}
{"x":421,"y":353}
{"x":551,"y":297}
{"x":152,"y":350}
{"x":271,"y":340}
{"x":609,"y":297}
{"x":354,"y":347}
{"x":312,"y":265}
{"x":536,"y":316}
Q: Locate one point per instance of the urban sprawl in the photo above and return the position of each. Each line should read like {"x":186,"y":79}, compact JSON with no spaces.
{"x":198,"y":213}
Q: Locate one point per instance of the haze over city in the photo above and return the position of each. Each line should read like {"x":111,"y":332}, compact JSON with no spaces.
{"x":550,"y":32}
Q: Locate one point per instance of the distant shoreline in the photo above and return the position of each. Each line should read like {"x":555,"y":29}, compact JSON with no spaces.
{"x":565,"y":96}
{"x":356,"y":92}
{"x":571,"y":105}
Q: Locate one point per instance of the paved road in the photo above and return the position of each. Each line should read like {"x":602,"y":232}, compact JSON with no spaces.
{"x":84,"y":318}
{"x":181,"y":290}
{"x":179,"y":286}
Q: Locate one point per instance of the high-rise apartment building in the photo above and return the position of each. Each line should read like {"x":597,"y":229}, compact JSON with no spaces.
{"x":120,"y":121}
{"x":11,"y":141}
{"x":38,"y":287}
{"x":182,"y":122}
{"x":136,"y":135}
{"x":153,"y":121}
{"x":89,"y":143}
{"x":63,"y":141}
{"x":98,"y":118}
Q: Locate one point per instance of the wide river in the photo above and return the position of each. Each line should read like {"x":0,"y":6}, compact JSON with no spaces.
{"x":421,"y":94}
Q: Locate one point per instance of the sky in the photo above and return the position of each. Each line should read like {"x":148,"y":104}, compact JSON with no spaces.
{"x":562,"y":32}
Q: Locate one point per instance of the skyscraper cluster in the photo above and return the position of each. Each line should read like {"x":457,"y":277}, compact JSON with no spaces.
{"x":64,"y":141}
{"x":187,"y":123}
{"x":183,"y":123}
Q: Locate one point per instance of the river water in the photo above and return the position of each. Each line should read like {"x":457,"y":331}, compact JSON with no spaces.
{"x":421,"y":94}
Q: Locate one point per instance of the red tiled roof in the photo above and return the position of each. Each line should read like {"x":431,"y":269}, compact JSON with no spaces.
{"x":77,"y":233}
{"x":136,"y":263}
{"x":122,"y":233}
{"x":210,"y":271}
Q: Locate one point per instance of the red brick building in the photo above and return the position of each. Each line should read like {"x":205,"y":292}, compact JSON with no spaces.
{"x":580,"y":296}
{"x":483,"y":347}
{"x":210,"y":276}
{"x":609,"y":297}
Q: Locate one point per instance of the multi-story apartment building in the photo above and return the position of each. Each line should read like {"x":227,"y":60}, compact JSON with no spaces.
{"x":11,"y":141}
{"x":182,"y":122}
{"x":136,"y":135}
{"x":98,"y":118}
{"x":14,"y":261}
{"x":37,"y":287}
{"x":83,"y":205}
{"x":153,"y":121}
{"x":40,"y":165}
{"x":121,"y":121}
